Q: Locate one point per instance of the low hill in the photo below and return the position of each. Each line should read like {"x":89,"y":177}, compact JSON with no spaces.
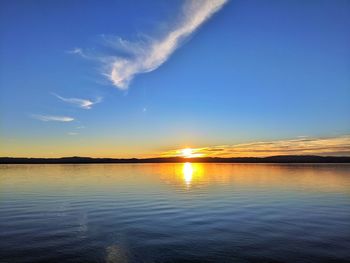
{"x":271,"y":159}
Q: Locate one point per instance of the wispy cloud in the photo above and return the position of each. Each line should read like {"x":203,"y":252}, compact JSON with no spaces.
{"x":300,"y":146}
{"x":81,"y":103}
{"x":148,"y":54}
{"x":52,"y":118}
{"x":78,"y":51}
{"x":72,"y":133}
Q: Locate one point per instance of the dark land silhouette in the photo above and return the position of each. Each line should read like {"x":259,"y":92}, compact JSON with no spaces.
{"x":271,"y":159}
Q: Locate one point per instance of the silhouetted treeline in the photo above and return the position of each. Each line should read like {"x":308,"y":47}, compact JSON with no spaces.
{"x":271,"y":159}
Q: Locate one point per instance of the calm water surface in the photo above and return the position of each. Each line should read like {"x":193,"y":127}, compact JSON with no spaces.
{"x":175,"y":213}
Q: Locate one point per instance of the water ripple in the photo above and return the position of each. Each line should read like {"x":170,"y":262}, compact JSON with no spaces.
{"x":155,"y":213}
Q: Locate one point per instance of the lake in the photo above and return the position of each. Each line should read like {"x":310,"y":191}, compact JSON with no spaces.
{"x":175,"y":213}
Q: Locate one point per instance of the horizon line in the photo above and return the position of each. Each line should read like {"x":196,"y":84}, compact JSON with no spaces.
{"x":178,"y":159}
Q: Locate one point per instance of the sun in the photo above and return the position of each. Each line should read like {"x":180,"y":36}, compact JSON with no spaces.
{"x":187,"y":152}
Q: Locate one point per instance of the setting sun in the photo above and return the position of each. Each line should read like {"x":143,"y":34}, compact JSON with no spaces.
{"x":187,"y":152}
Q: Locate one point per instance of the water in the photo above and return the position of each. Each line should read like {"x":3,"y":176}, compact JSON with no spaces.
{"x":175,"y":213}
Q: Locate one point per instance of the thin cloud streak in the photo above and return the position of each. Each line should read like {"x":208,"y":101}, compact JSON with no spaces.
{"x":52,"y":118}
{"x":331,"y":146}
{"x":148,"y":55}
{"x":79,"y":52}
{"x":81,"y":103}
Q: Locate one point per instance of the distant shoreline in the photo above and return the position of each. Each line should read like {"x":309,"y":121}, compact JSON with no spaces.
{"x":271,"y":159}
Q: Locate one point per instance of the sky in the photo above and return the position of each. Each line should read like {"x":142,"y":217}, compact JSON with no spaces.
{"x":149,"y":78}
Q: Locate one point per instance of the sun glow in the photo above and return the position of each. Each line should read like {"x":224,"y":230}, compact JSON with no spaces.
{"x":187,"y":152}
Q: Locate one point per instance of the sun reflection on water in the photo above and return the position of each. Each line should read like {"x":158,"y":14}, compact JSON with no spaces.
{"x":187,"y":171}
{"x":112,"y":178}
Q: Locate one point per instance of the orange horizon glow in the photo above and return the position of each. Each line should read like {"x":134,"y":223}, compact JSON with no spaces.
{"x":106,"y":148}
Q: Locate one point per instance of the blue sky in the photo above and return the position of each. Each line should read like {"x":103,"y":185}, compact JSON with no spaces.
{"x":248,"y":71}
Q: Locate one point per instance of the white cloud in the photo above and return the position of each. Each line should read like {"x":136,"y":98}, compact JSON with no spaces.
{"x":150,"y":53}
{"x":81,"y":103}
{"x":72,"y":133}
{"x":52,"y":118}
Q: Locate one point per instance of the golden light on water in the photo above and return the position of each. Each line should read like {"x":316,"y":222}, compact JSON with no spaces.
{"x":187,"y":171}
{"x":191,"y":173}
